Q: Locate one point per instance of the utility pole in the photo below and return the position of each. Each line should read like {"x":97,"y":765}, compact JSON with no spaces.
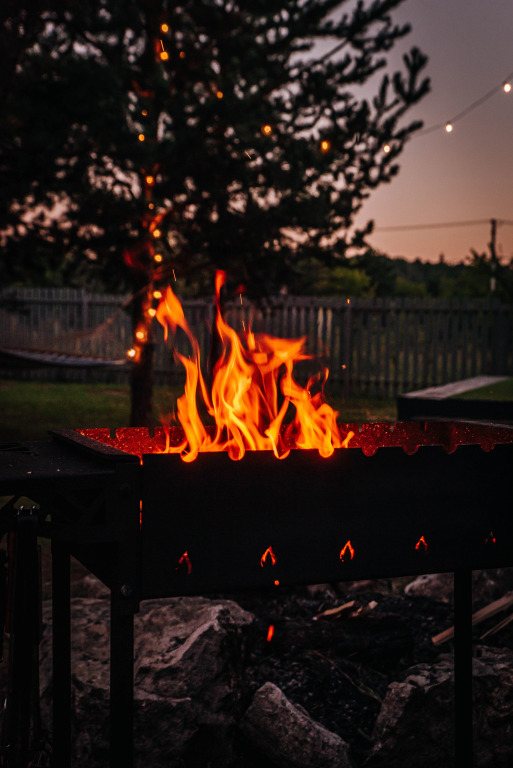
{"x":493,"y":254}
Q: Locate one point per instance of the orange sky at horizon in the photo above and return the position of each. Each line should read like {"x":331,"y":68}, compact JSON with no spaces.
{"x":464,"y":176}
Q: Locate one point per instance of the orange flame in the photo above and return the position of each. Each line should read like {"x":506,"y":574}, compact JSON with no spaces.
{"x":268,"y":553}
{"x":185,"y":560}
{"x":270,"y":633}
{"x":421,"y":544}
{"x":348,"y":547}
{"x":244,"y":397}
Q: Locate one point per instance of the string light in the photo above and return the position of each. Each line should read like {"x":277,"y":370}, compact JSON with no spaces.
{"x":325,"y":146}
{"x":164,"y":55}
{"x":157,"y":294}
{"x":144,"y":113}
{"x":140,"y":335}
{"x":131,"y":353}
{"x":164,"y":28}
{"x":150,"y":180}
{"x":505,"y":86}
{"x":152,"y":312}
{"x":267,"y":130}
{"x":387,"y":148}
{"x":141,"y":137}
{"x":182,"y":54}
{"x":156,"y":234}
{"x":158,"y":256}
{"x":219,"y":94}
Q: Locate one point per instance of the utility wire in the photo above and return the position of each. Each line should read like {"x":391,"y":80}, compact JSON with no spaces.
{"x":441,"y":225}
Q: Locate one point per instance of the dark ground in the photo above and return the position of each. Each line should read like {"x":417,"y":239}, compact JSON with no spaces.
{"x":338,"y":667}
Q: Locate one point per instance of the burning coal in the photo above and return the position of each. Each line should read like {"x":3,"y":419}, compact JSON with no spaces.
{"x":252,"y":389}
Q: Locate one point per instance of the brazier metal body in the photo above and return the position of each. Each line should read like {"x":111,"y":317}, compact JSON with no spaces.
{"x":402,"y":499}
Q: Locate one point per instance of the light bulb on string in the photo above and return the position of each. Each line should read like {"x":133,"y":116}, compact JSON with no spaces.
{"x":158,"y":256}
{"x":164,"y":28}
{"x":448,"y":127}
{"x":156,"y":233}
{"x":325,"y":146}
{"x":506,"y":87}
{"x":387,"y":148}
{"x":267,"y":129}
{"x":141,"y":137}
{"x":164,"y":55}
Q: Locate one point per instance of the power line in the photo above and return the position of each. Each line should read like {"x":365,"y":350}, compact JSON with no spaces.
{"x":441,"y":225}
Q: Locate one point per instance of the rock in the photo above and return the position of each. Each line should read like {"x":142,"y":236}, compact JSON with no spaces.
{"x":89,"y":586}
{"x":288,"y":736}
{"x":415,"y":726}
{"x":416,"y":722}
{"x":493,"y":707}
{"x":188,"y":659}
{"x":487,"y":585}
{"x":435,"y":586}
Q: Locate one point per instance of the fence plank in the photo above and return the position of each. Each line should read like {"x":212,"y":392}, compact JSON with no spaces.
{"x":370,"y":345}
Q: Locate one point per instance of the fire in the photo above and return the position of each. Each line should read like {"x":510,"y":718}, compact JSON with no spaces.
{"x":250,"y":378}
{"x":186,"y":561}
{"x":268,"y":554}
{"x":347,"y":548}
{"x":421,"y":544}
{"x":270,"y":632}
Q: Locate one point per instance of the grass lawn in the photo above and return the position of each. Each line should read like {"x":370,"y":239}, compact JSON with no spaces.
{"x":28,"y":409}
{"x":501,"y":390}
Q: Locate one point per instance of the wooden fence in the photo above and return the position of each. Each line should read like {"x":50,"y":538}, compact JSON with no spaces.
{"x":371,"y":346}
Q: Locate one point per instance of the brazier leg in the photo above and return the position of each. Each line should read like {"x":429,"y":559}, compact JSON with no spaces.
{"x":463,"y":709}
{"x":121,"y":688}
{"x":61,"y":652}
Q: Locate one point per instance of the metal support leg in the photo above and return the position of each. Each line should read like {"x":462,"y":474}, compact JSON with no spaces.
{"x":463,"y":707}
{"x":121,"y":687}
{"x":20,"y":723}
{"x":61,"y":621}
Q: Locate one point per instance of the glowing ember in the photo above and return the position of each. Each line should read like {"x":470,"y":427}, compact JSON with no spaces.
{"x":268,"y":554}
{"x":421,"y":545}
{"x":250,"y":377}
{"x":185,"y":560}
{"x":490,"y":539}
{"x":270,"y":633}
{"x":347,"y":549}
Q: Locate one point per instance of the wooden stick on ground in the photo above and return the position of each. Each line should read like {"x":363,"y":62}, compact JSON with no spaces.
{"x":484,"y":613}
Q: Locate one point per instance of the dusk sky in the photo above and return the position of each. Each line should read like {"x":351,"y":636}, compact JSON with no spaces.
{"x":466,"y":175}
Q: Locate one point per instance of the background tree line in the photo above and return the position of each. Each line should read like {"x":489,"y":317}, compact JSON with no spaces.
{"x":375,"y":274}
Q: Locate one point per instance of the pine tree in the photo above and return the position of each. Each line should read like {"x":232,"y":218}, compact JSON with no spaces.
{"x":172,"y":140}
